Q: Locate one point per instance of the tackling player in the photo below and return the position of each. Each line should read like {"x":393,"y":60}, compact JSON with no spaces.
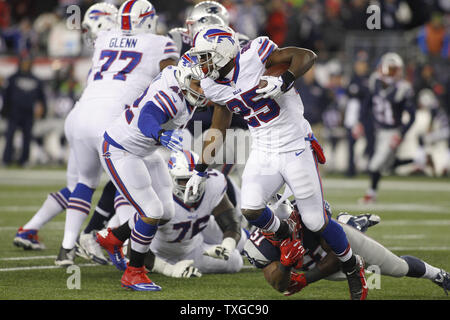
{"x":124,"y":63}
{"x":390,"y":96}
{"x":283,"y":148}
{"x":313,"y":260}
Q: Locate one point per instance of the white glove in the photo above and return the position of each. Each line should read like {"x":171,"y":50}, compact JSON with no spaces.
{"x":223,"y":250}
{"x":272,"y":90}
{"x":181,"y":269}
{"x":194,"y":181}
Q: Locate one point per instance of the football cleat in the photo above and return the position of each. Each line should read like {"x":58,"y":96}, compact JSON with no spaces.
{"x":356,"y":281}
{"x":360,"y":222}
{"x":113,"y":247}
{"x":28,"y":240}
{"x":136,"y":279}
{"x":367,"y":199}
{"x":443,"y":280}
{"x":88,"y":248}
{"x":65,"y":257}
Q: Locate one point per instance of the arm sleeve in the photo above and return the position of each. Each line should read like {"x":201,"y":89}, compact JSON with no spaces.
{"x":150,"y":120}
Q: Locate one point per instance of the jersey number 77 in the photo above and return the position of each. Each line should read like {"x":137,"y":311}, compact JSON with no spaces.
{"x":111,"y":56}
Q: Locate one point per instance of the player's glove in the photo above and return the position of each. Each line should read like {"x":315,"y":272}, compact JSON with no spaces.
{"x":272,"y":90}
{"x":171,"y":139}
{"x":296,"y":283}
{"x":194,"y":181}
{"x":223,"y":250}
{"x":181,"y":269}
{"x":292,"y":252}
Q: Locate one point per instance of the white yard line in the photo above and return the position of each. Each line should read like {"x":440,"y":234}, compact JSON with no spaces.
{"x":396,"y":207}
{"x":27,"y":258}
{"x":45,"y":267}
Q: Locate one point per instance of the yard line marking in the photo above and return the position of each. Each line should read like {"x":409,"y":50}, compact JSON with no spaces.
{"x":46,"y":267}
{"x":27,"y":258}
{"x":425,"y":208}
{"x":421,"y":223}
{"x":403,"y":236}
{"x":441,"y":248}
{"x":19,"y":208}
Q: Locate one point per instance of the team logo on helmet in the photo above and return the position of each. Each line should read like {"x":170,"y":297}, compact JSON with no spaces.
{"x":96,"y":14}
{"x":145,"y":15}
{"x":212,"y":10}
{"x":219,"y":33}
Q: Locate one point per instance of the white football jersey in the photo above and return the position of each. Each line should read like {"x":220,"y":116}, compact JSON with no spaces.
{"x":275,"y":125}
{"x":182,"y":233}
{"x":164,"y":92}
{"x":124,"y":65}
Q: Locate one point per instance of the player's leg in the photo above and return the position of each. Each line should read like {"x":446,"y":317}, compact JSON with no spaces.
{"x":79,"y":206}
{"x":55,"y":203}
{"x":131,"y":177}
{"x":301,"y":174}
{"x":260,"y":180}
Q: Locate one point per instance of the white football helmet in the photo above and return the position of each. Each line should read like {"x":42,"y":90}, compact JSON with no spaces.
{"x":137,"y":16}
{"x":181,"y":168}
{"x":206,"y":8}
{"x":193,"y":26}
{"x":214,"y":46}
{"x":281,"y":209}
{"x":185,"y":74}
{"x":100,"y":16}
{"x":391,"y":67}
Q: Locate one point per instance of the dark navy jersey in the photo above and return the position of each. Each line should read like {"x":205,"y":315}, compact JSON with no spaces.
{"x":388,"y":102}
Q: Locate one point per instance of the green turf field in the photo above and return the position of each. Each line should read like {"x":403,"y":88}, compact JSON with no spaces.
{"x":415,"y":221}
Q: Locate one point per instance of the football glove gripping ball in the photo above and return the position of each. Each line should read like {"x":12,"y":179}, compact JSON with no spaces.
{"x":272,"y":90}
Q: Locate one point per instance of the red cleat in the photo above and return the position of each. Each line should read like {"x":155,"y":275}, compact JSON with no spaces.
{"x":136,"y":279}
{"x":113,"y":247}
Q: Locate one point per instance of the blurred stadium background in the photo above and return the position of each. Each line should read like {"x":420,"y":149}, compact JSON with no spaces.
{"x":335,"y":29}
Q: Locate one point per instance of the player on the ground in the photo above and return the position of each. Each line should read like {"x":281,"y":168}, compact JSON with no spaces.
{"x":390,"y":96}
{"x":315,"y":260}
{"x":124,"y":63}
{"x":283,"y":148}
{"x":138,"y":171}
{"x":99,"y":17}
{"x":205,"y":232}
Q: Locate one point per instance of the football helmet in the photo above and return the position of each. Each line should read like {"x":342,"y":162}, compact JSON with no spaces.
{"x":214,"y":46}
{"x":136,"y":16}
{"x":100,"y":16}
{"x":207,"y":8}
{"x":194,"y":26}
{"x":185,"y":74}
{"x":391,"y":67}
{"x":181,"y":168}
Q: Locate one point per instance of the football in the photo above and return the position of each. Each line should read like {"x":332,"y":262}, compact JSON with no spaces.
{"x":274,"y":71}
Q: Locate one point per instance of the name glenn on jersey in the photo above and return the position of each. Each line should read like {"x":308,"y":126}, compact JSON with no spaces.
{"x":123,"y":42}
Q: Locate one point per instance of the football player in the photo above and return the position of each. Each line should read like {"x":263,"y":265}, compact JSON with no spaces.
{"x":283,"y":147}
{"x":313,"y":260}
{"x":129,"y":157}
{"x":125,"y":61}
{"x":203,"y":236}
{"x":99,"y":17}
{"x":390,"y":96}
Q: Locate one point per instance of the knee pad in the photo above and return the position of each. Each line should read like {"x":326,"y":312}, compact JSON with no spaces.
{"x":313,"y":221}
{"x":153,"y":209}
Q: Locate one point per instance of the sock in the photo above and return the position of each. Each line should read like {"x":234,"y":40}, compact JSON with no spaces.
{"x":142,"y":236}
{"x":266,"y":221}
{"x":419,"y":268}
{"x":123,"y":232}
{"x":104,"y":210}
{"x":54,"y":205}
{"x":335,"y":236}
{"x":374,"y":179}
{"x":77,"y":211}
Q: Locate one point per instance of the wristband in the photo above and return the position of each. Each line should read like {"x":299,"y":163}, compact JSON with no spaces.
{"x":288,"y":80}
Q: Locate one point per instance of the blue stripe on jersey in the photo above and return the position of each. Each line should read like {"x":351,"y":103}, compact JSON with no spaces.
{"x":163,"y":105}
{"x":150,"y":120}
{"x":263,"y":59}
{"x":263,"y":47}
{"x":170,"y":50}
{"x":171,"y":104}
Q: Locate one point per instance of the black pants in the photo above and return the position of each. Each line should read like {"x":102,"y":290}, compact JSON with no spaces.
{"x":25,"y":124}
